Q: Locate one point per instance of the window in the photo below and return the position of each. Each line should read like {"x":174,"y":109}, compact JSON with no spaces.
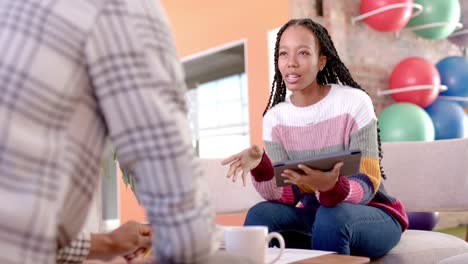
{"x":218,"y":102}
{"x":109,"y":191}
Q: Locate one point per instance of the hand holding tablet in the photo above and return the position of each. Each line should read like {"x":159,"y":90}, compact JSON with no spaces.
{"x":351,"y":162}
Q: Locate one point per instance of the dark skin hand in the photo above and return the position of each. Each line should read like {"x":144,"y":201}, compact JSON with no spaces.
{"x":317,"y":179}
{"x":243,"y":162}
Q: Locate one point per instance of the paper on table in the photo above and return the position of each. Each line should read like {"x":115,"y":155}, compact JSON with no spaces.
{"x":292,"y":255}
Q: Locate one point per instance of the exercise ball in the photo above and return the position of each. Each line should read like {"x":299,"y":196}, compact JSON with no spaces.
{"x":422,"y":220}
{"x":405,"y":122}
{"x":448,"y":118}
{"x":454,"y":73}
{"x":411,"y":72}
{"x":389,"y":20}
{"x":462,"y":39}
{"x":436,"y":11}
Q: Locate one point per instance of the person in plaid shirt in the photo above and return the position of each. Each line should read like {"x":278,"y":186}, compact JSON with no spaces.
{"x":112,"y":66}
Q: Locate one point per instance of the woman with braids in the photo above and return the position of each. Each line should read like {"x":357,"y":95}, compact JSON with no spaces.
{"x":327,"y":111}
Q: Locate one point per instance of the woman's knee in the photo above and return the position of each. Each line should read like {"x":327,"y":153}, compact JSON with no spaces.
{"x":260,"y":214}
{"x":331,"y":229}
{"x":275,"y":216}
{"x":336,"y":217}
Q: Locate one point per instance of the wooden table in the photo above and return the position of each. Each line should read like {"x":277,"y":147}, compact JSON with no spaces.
{"x":324,"y":259}
{"x":334,"y":259}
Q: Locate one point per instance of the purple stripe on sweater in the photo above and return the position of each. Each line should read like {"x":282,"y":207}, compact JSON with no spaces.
{"x":366,"y":188}
{"x":309,"y":200}
{"x":331,"y":132}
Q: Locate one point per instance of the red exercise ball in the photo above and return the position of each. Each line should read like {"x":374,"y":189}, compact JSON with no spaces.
{"x":415,"y":71}
{"x":390,"y":20}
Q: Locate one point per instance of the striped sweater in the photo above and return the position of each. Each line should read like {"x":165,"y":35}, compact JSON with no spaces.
{"x":342,"y":120}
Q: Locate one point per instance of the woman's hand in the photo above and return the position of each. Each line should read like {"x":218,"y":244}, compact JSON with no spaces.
{"x":317,"y":179}
{"x":244,"y":162}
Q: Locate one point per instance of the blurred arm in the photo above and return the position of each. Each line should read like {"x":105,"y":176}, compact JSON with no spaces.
{"x":140,"y":88}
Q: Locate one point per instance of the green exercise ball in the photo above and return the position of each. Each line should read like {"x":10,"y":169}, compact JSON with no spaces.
{"x":405,"y":122}
{"x":435,"y":11}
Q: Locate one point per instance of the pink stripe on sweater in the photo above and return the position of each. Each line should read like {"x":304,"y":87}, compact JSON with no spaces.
{"x":330,"y":132}
{"x":355,"y":192}
{"x":288,"y":195}
{"x":269,"y":191}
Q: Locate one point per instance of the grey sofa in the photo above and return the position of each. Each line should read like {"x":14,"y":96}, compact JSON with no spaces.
{"x":426,"y":176}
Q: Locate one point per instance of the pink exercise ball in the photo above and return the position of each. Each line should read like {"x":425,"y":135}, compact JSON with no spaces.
{"x":390,"y":20}
{"x":415,"y":71}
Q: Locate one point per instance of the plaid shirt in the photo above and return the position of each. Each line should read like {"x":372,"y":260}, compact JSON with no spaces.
{"x":76,"y":252}
{"x":73,"y":73}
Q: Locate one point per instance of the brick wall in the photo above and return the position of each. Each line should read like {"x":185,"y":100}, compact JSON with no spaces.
{"x":370,"y":55}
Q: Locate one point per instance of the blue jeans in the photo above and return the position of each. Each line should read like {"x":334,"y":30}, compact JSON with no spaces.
{"x":346,"y":228}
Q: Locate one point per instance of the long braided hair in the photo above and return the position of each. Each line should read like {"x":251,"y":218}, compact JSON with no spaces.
{"x":334,"y":71}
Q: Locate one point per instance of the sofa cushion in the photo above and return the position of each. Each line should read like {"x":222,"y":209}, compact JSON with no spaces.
{"x":418,"y":246}
{"x":458,"y":259}
{"x":228,"y":197}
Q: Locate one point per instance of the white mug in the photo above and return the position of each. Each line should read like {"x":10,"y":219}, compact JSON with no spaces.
{"x":251,"y":242}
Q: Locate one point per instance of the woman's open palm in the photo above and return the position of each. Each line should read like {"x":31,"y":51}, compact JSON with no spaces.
{"x":243,"y":162}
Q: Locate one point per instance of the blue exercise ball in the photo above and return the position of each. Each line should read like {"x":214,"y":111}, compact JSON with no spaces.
{"x":422,"y":220}
{"x":454,"y":73}
{"x":448,"y":118}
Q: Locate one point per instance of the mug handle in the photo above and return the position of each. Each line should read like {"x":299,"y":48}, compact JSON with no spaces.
{"x":280,"y":239}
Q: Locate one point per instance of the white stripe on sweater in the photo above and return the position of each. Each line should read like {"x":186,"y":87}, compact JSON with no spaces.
{"x":339,"y":101}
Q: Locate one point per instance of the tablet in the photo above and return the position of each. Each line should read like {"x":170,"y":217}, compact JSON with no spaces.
{"x":326,"y":162}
